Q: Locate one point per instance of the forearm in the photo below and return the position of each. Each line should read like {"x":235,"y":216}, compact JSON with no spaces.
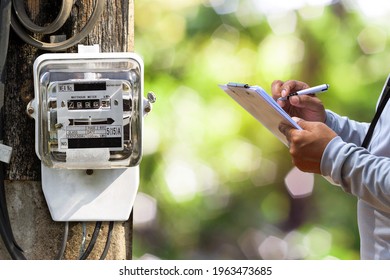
{"x":349,"y":130}
{"x":358,"y":172}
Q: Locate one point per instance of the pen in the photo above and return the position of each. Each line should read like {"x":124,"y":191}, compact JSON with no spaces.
{"x":311,"y":90}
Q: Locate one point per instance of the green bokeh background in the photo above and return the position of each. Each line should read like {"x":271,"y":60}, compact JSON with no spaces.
{"x":212,"y":177}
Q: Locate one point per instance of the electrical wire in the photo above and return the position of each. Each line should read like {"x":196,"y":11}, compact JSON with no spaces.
{"x":83,"y":238}
{"x":18,"y":21}
{"x":108,"y":241}
{"x":20,"y":12}
{"x":13,"y":248}
{"x":61,"y":253}
{"x":92,"y":242}
{"x":5,"y":20}
{"x":6,"y":233}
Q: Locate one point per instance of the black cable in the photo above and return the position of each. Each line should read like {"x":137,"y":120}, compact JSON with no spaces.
{"x":22,"y":33}
{"x":13,"y":248}
{"x":6,"y":233}
{"x":20,"y":12}
{"x":108,"y":241}
{"x":5,"y":21}
{"x":60,"y":254}
{"x":83,"y":238}
{"x":91,"y":244}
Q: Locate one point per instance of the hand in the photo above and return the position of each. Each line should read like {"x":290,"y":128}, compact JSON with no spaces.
{"x":306,"y":146}
{"x":307,"y":107}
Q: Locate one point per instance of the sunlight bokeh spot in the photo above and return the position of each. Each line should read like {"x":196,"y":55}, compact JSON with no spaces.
{"x":318,"y":241}
{"x":372,"y":40}
{"x":224,"y":6}
{"x":282,"y":24}
{"x":299,"y":184}
{"x":181,"y":180}
{"x":278,"y":53}
{"x":226,"y":121}
{"x":296,"y":249}
{"x":249,"y":242}
{"x":151,"y":139}
{"x":265,"y":174}
{"x":320,"y":3}
{"x":273,"y":248}
{"x":244,"y":156}
{"x":144,"y":210}
{"x":374,"y":9}
{"x":246,"y":15}
{"x":277,"y":6}
{"x":275,"y":207}
{"x":311,"y":12}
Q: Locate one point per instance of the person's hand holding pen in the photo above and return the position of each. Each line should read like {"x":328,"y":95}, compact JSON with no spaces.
{"x":306,"y":146}
{"x":307,"y":107}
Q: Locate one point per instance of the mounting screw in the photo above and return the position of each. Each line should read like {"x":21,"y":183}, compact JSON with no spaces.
{"x":89,"y":171}
{"x":147,"y":108}
{"x":30,"y":110}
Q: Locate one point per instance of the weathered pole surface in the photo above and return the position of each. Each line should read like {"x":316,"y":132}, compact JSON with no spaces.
{"x":35,"y":232}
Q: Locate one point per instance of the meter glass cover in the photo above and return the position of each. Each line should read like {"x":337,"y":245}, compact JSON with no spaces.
{"x":90,"y":113}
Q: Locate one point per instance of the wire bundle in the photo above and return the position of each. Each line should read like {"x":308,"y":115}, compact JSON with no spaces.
{"x":21,"y":24}
{"x":5,"y":226}
{"x":85,"y":254}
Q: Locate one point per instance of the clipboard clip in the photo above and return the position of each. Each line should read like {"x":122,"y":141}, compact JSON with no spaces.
{"x":241,"y":85}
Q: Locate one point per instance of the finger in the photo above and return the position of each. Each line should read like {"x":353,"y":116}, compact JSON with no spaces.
{"x":286,"y":130}
{"x":276,"y":88}
{"x":292,"y":86}
{"x":302,"y":101}
{"x":297,"y":120}
{"x":310,"y":104}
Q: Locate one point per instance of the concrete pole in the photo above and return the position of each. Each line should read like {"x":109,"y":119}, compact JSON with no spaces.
{"x":33,"y":227}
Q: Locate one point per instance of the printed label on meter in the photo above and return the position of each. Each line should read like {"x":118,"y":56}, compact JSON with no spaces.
{"x":92,"y":136}
{"x":90,"y":114}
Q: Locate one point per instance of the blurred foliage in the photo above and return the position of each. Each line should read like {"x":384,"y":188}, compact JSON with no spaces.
{"x":212,"y":178}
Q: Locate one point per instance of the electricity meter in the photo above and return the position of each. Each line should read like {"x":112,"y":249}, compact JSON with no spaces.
{"x":88,"y":111}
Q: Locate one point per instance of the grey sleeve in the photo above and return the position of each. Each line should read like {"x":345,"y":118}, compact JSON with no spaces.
{"x":358,"y":172}
{"x":349,"y":130}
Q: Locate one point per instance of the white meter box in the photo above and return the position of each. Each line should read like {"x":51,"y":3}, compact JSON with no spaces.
{"x":88,"y":110}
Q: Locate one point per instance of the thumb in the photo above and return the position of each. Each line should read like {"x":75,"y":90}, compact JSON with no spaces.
{"x":305,"y":125}
{"x":298,"y":120}
{"x":302,"y":123}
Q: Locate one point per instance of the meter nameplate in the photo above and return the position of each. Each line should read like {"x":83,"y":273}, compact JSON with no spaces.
{"x":92,"y":136}
{"x":89,"y":113}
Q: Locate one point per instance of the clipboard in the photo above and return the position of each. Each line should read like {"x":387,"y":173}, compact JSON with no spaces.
{"x":261,"y":106}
